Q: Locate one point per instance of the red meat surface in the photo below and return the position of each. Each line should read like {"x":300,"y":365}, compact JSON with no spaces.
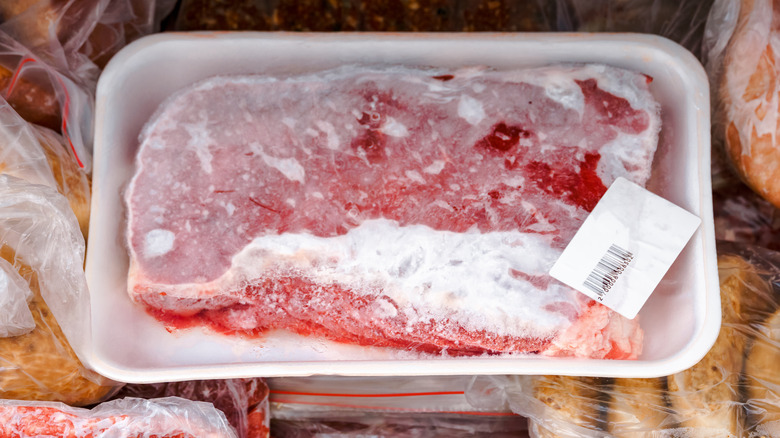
{"x":358,"y":205}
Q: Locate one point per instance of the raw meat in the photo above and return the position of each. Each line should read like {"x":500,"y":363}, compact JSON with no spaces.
{"x":394,"y":207}
{"x":169,"y":417}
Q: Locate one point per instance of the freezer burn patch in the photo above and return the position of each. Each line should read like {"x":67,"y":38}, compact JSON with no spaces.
{"x":625,"y":247}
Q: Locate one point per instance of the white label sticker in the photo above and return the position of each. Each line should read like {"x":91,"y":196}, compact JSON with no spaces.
{"x":624,"y":247}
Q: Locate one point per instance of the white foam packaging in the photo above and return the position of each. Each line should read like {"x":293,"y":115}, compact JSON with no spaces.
{"x":681,"y":319}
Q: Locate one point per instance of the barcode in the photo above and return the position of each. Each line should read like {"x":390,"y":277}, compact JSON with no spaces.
{"x":607,"y":271}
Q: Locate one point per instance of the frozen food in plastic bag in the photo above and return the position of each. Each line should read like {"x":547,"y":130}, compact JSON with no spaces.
{"x":384,"y":406}
{"x":40,"y":156}
{"x":743,"y":44}
{"x":40,"y":238}
{"x":243,"y":401}
{"x":743,"y":216}
{"x":43,"y":95}
{"x":170,"y":417}
{"x":734,"y":391}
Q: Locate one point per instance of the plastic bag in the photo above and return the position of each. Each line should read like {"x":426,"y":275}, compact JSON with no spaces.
{"x":742,"y":42}
{"x":44,"y":96}
{"x":16,"y":318}
{"x":383,"y":406}
{"x":734,"y":391}
{"x":40,"y":156}
{"x":170,"y":417}
{"x":243,"y":401}
{"x":68,"y":34}
{"x":743,"y":216}
{"x":40,"y":238}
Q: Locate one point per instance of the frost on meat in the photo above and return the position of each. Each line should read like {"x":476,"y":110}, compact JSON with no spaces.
{"x":394,"y":207}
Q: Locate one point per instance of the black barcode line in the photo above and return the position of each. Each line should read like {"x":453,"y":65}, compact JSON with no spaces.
{"x":608,"y":270}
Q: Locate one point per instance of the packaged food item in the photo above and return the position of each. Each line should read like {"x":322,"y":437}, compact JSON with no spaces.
{"x":732,"y":392}
{"x":384,"y":406}
{"x":71,"y":35}
{"x":744,"y":78}
{"x":16,"y":318}
{"x":243,"y":401}
{"x":40,"y":240}
{"x":743,"y":216}
{"x":392,"y":207}
{"x":358,"y":15}
{"x":40,"y":156}
{"x":169,"y":417}
{"x":43,"y":95}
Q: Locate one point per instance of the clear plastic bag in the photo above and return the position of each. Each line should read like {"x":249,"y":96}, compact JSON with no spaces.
{"x":742,"y":45}
{"x":734,"y":391}
{"x":70,"y":34}
{"x":383,"y":406}
{"x":40,"y":156}
{"x":16,"y":318}
{"x":170,"y":417}
{"x":40,"y":239}
{"x":243,"y":401}
{"x":43,"y":95}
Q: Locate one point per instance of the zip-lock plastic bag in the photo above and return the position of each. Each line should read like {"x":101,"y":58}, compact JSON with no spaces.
{"x":383,"y":406}
{"x":243,"y":401}
{"x":40,"y":239}
{"x":734,"y":391}
{"x":170,"y":417}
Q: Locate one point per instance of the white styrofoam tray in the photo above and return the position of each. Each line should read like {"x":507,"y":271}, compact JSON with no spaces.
{"x":681,"y":320}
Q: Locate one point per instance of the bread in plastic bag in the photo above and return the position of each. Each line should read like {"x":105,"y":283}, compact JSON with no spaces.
{"x":16,"y":318}
{"x":40,"y":156}
{"x":40,"y":238}
{"x":734,"y":391}
{"x":170,"y":417}
{"x":243,"y":401}
{"x":743,"y":45}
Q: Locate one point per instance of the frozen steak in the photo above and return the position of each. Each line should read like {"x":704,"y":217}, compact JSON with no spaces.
{"x":394,"y":207}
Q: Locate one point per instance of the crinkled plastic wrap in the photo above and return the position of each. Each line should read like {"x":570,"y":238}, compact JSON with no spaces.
{"x":733,"y":392}
{"x":359,"y":424}
{"x":243,"y":401}
{"x":681,"y":20}
{"x":742,"y":42}
{"x":45,"y":96}
{"x":40,"y":156}
{"x":169,"y":417}
{"x":323,"y":406}
{"x":71,"y":33}
{"x":41,"y":241}
{"x":743,"y":216}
